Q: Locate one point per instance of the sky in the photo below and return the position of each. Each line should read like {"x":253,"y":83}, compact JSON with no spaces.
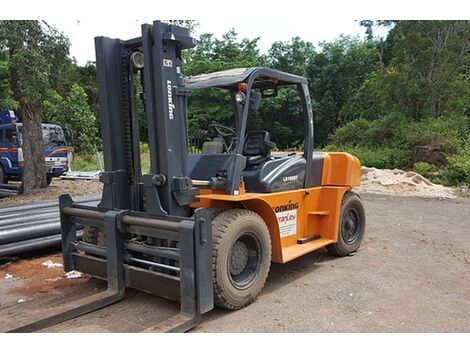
{"x":82,"y":32}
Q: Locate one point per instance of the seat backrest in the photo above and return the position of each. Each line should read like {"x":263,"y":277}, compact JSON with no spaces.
{"x":254,"y":144}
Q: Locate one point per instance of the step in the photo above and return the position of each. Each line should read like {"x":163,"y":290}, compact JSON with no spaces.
{"x":319,"y":212}
{"x":298,"y":250}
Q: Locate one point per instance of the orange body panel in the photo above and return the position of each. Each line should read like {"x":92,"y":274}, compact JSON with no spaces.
{"x":297,"y":214}
{"x":341,"y":169}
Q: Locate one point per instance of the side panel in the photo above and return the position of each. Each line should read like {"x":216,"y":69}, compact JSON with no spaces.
{"x":290,"y":216}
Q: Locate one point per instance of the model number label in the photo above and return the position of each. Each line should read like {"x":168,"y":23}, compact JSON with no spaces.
{"x":290,"y":178}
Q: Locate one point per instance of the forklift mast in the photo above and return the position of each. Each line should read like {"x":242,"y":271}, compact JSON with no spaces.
{"x":155,"y":58}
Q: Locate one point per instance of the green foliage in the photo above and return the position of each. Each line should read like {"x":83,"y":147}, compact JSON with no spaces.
{"x":376,"y":98}
{"x":430,"y":171}
{"x":378,"y":157}
{"x":212,"y":54}
{"x":335,"y":74}
{"x":85,"y":162}
{"x":73,"y":112}
{"x":85,"y":76}
{"x":397,"y":130}
{"x":38,"y":55}
{"x":457,"y":171}
{"x":293,"y":56}
{"x":144,"y":147}
{"x":426,"y":74}
{"x":360,"y":131}
{"x":281,"y":116}
{"x":6,"y":95}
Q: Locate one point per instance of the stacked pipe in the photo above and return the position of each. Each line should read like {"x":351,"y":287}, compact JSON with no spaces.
{"x":34,"y":226}
{"x":8,"y":190}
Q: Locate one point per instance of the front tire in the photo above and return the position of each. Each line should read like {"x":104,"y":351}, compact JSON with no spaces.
{"x":241,"y":257}
{"x":352,"y":225}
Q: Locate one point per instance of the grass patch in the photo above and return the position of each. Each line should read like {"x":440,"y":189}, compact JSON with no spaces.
{"x":89,"y":162}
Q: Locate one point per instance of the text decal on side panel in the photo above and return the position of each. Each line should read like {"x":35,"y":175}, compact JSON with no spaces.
{"x":287,"y":218}
{"x":287,"y":221}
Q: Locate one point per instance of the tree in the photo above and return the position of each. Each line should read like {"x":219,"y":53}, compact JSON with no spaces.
{"x":334,"y":74}
{"x":73,"y":112}
{"x":293,"y":56}
{"x":425,"y":72}
{"x":6,"y":100}
{"x":37,"y":55}
{"x":210,"y":55}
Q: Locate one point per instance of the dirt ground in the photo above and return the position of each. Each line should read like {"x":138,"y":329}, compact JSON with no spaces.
{"x":410,"y":275}
{"x":57,"y":187}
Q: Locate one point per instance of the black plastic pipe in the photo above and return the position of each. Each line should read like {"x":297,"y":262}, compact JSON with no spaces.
{"x":29,"y":231}
{"x":29,"y":212}
{"x":7,"y":186}
{"x":21,"y":220}
{"x":35,"y":244}
{"x":12,"y":227}
{"x":11,"y":249}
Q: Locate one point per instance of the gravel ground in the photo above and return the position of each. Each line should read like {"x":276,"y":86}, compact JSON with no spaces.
{"x":58,"y":186}
{"x":410,"y":275}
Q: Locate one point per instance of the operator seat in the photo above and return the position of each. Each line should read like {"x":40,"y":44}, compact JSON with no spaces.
{"x":257,"y":147}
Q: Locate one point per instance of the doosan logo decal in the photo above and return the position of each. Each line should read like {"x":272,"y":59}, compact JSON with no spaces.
{"x":171,"y":106}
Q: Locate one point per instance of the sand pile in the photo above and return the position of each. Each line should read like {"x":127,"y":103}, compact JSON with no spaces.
{"x":399,"y":182}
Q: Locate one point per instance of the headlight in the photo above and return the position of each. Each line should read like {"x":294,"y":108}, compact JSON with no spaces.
{"x":239,"y":97}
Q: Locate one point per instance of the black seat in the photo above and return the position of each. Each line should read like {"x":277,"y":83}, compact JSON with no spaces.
{"x":257,"y":147}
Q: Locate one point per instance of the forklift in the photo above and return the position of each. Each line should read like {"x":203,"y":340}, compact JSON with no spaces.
{"x":199,"y":228}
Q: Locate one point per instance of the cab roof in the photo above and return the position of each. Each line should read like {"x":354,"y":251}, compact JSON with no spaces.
{"x":262,"y":78}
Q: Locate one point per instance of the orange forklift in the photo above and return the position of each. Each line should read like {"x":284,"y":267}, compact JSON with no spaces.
{"x":200,"y":228}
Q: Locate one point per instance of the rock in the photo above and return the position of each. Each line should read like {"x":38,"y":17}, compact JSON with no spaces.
{"x":432,"y":154}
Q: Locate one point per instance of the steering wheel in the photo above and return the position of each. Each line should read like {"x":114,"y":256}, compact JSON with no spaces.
{"x":226,"y":133}
{"x":218,"y":129}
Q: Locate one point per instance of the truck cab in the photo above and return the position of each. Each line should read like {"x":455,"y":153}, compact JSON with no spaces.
{"x":57,"y":154}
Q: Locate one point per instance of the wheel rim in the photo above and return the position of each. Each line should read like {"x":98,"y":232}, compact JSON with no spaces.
{"x":244,"y":260}
{"x":350,"y":226}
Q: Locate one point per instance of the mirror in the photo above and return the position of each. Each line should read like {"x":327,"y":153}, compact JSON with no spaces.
{"x":269,"y":92}
{"x":255,"y":100}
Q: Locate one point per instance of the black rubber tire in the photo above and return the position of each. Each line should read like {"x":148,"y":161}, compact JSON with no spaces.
{"x":228,"y":228}
{"x":48,"y":180}
{"x":3,"y":178}
{"x":351,"y":203}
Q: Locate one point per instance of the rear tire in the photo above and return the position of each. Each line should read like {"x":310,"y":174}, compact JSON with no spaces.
{"x":3,"y":178}
{"x":241,"y":257}
{"x":352,"y":225}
